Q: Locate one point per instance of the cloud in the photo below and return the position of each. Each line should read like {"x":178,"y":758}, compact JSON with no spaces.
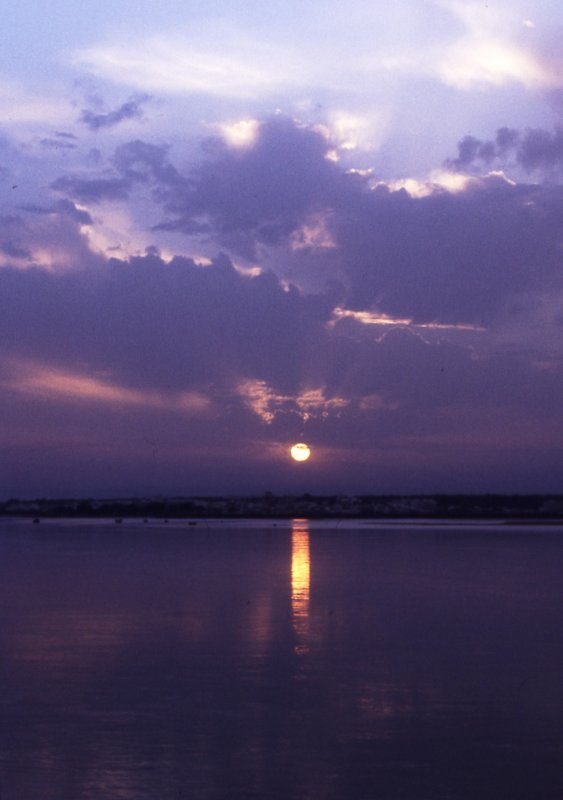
{"x":139,"y":161}
{"x":149,"y":323}
{"x":133,"y":163}
{"x":335,"y":51}
{"x":47,"y":236}
{"x":534,"y":149}
{"x":448,"y":256}
{"x":494,"y":50}
{"x":261,"y":194}
{"x":307,"y":404}
{"x":92,"y":190}
{"x":132,"y":109}
{"x":33,"y":106}
{"x":471,"y":150}
{"x":232,"y":64}
{"x":57,"y":144}
{"x":143,"y":330}
{"x":64,"y":208}
{"x":540,"y":149}
{"x":440,"y":253}
{"x":37,"y":380}
{"x":14,"y":252}
{"x":472,"y":62}
{"x":200,"y":359}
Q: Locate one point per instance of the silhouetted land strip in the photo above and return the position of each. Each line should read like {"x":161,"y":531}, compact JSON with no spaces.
{"x":517,"y":508}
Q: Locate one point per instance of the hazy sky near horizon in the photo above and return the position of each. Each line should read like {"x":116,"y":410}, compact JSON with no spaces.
{"x":229,"y":226}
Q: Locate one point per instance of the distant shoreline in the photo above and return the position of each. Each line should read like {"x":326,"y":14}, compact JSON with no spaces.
{"x":508,"y":509}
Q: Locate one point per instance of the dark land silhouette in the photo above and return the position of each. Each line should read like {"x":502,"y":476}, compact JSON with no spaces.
{"x":268,"y":506}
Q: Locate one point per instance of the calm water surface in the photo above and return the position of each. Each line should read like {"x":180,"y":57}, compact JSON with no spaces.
{"x":297,"y":661}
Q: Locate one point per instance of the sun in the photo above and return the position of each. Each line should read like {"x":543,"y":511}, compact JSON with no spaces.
{"x":300,"y":452}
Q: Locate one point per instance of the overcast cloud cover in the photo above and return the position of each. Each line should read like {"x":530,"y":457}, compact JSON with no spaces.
{"x":230,"y":226}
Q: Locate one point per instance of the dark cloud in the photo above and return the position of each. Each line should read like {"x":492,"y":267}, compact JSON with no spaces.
{"x":419,"y":377}
{"x":446,"y":256}
{"x":166,"y":325}
{"x":469,"y":150}
{"x":48,"y":234}
{"x":93,"y":190}
{"x":64,"y":208}
{"x":133,"y":163}
{"x":147,"y":323}
{"x":473,"y":151}
{"x":66,"y":135}
{"x":94,"y":157}
{"x":443,"y":256}
{"x":541,"y":150}
{"x":451,"y":257}
{"x":132,"y":109}
{"x":70,"y":210}
{"x":533,"y":149}
{"x":140,"y":161}
{"x":262,"y":194}
{"x":14,"y":251}
{"x":256,"y":195}
{"x":57,"y":144}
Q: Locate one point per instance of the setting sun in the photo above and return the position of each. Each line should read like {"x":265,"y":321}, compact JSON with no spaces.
{"x":300,"y":452}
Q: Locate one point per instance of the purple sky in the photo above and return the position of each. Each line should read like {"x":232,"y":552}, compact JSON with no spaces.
{"x":236,"y":225}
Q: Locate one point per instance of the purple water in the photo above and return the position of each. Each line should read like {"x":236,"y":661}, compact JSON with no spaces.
{"x":247,"y":661}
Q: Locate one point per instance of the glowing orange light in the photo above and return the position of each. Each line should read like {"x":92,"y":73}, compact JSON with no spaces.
{"x":300,"y":583}
{"x":300,"y":452}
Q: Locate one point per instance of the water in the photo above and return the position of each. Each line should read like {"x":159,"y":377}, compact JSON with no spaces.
{"x":251,"y":661}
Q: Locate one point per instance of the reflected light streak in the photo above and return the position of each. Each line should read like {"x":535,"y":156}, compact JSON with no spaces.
{"x":300,"y":583}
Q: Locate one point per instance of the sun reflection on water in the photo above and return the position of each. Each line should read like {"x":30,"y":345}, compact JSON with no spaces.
{"x":300,"y":582}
